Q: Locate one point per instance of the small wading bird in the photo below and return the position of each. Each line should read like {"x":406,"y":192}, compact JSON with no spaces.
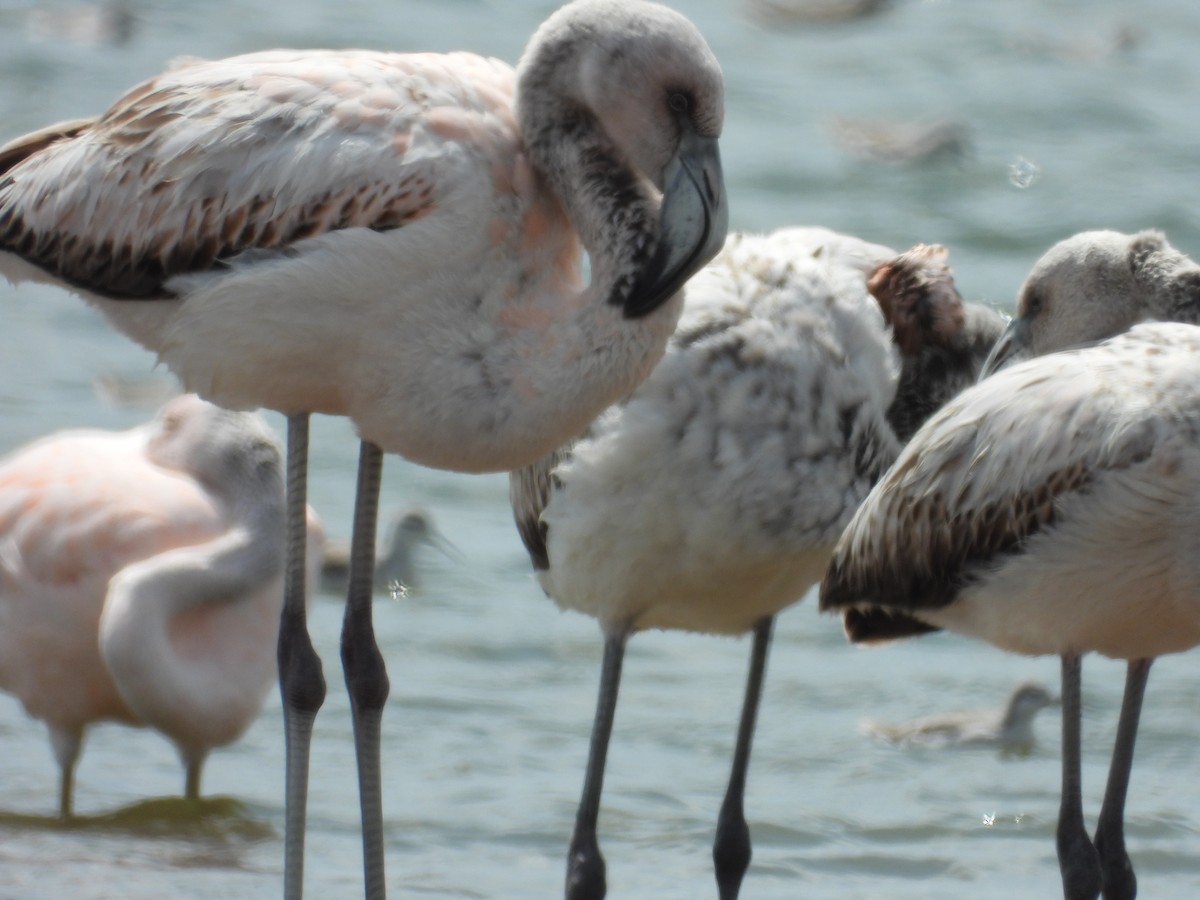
{"x":723,"y":482}
{"x":1009,"y":728}
{"x":141,"y":579}
{"x":397,"y":239}
{"x":1052,"y":507}
{"x":395,"y":560}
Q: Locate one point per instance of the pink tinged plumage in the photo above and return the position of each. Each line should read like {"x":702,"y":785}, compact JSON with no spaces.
{"x":184,"y":186}
{"x":141,"y":578}
{"x":396,"y":239}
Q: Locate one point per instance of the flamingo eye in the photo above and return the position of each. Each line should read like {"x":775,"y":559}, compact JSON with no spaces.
{"x":1033,"y":303}
{"x":678,"y":102}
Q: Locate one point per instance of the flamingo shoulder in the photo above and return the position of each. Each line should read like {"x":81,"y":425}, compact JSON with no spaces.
{"x":213,"y":159}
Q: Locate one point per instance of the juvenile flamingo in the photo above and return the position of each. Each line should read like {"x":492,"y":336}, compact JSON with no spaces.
{"x":141,"y":579}
{"x":1052,"y":507}
{"x":711,"y":498}
{"x":396,"y":239}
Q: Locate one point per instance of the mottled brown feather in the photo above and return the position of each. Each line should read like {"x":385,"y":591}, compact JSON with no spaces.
{"x":939,"y":545}
{"x":529,"y":492}
{"x":26,"y":145}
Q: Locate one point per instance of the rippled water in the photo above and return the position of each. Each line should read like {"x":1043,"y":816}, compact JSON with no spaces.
{"x":492,"y":689}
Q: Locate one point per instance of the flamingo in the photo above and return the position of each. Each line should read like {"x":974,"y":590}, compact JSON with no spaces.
{"x":397,"y":239}
{"x":395,"y":565}
{"x":711,"y":498}
{"x":141,"y":579}
{"x":1051,"y":508}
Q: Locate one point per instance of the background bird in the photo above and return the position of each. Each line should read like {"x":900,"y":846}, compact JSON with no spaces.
{"x":396,"y":568}
{"x":396,"y":239}
{"x":141,"y":579}
{"x":1049,"y":509}
{"x":1009,"y":728}
{"x":711,"y":498}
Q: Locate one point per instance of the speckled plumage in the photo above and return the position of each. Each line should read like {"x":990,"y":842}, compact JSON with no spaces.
{"x":256,"y":152}
{"x":711,"y":498}
{"x":1053,"y":507}
{"x":1039,"y":493}
{"x":723,"y":482}
{"x":1085,"y":288}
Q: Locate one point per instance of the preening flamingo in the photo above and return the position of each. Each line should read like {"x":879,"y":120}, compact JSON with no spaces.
{"x":396,"y":239}
{"x":711,"y":498}
{"x":141,"y":579}
{"x":1052,"y":508}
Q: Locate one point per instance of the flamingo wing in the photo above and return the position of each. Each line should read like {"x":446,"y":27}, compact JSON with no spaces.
{"x":254,"y":153}
{"x":964,"y":493}
{"x":529,"y":492}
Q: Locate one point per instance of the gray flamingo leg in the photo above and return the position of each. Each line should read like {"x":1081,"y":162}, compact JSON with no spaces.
{"x":300,"y":680}
{"x":1077,"y":857}
{"x":1120,"y":883}
{"x":366,"y":675}
{"x":731,"y":848}
{"x":585,"y":864}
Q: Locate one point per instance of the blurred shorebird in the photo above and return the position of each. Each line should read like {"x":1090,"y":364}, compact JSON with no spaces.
{"x":1009,"y":728}
{"x":396,"y":567}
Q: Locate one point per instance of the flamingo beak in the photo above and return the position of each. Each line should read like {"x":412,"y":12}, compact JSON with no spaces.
{"x":440,"y":542}
{"x":694,"y":220}
{"x":1011,"y":347}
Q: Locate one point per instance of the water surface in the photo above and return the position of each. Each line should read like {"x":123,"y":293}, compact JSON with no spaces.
{"x":493,"y":689}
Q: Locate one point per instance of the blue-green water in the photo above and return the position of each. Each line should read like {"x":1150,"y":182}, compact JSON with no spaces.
{"x":492,"y":688}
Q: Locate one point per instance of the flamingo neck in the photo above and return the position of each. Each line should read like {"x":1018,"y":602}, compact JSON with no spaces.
{"x":613,"y":207}
{"x":553,"y":352}
{"x":191,"y":698}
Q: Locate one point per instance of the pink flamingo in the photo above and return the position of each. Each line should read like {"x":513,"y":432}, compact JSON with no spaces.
{"x":141,"y":579}
{"x":396,"y":239}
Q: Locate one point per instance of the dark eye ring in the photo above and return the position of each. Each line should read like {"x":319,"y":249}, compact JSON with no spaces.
{"x":678,"y":102}
{"x":1033,"y":304}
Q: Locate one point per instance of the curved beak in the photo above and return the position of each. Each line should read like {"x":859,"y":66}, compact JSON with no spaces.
{"x":440,"y":542}
{"x":1012,"y":346}
{"x":693,"y":222}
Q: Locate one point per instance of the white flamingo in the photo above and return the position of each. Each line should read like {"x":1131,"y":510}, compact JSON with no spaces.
{"x":711,"y":498}
{"x":1051,"y":508}
{"x":141,"y":579}
{"x":396,"y":239}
